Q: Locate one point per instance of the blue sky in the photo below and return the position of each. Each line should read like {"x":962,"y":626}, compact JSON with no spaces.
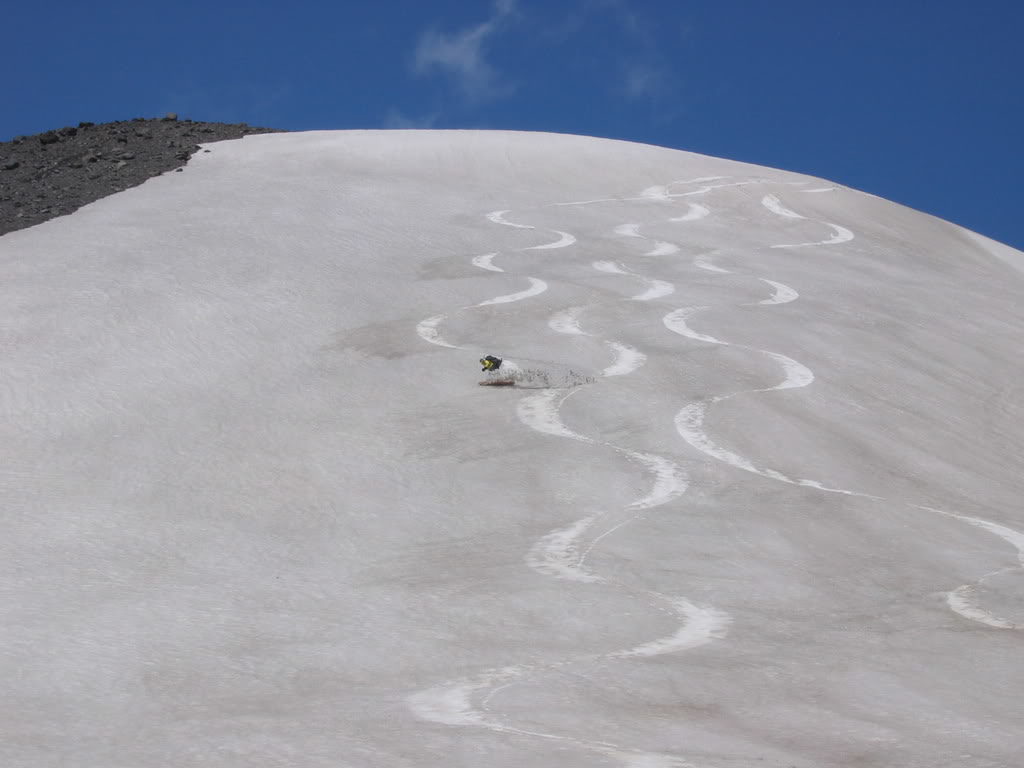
{"x":919,"y":102}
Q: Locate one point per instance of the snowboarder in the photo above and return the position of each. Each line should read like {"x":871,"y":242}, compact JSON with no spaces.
{"x":490,"y":363}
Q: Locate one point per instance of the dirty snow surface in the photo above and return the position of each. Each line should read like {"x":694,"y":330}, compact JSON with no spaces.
{"x":754,"y":498}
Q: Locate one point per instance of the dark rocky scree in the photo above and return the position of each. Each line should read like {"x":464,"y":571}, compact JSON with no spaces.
{"x":55,"y":173}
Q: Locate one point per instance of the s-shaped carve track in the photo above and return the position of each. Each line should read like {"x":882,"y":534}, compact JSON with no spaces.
{"x":563,"y":553}
{"x":566,"y":553}
{"x":690,"y":421}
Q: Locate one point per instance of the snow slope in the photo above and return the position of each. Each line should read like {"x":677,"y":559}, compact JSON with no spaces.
{"x":757,"y":504}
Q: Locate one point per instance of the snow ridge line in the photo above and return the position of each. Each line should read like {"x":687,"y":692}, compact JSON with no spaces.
{"x":689,"y":423}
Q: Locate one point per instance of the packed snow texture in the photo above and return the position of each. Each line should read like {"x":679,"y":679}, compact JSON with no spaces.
{"x":763,"y":510}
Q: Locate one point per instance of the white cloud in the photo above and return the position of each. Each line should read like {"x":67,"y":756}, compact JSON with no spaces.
{"x":462,"y":56}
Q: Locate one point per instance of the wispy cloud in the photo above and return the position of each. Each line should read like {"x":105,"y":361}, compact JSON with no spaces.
{"x":462,"y":56}
{"x":645,"y":75}
{"x":395,"y":118}
{"x":641,"y":71}
{"x":643,"y":80}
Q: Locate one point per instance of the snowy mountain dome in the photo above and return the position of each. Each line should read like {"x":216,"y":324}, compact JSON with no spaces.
{"x":750,"y":495}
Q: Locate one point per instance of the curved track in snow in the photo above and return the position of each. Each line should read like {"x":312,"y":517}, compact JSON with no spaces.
{"x":656,"y":288}
{"x":562,"y":553}
{"x":564,"y":240}
{"x":498,"y":217}
{"x":689,"y":420}
{"x":565,"y":553}
{"x":536,"y":287}
{"x":839,"y":234}
{"x":962,"y":600}
{"x":428,"y":329}
{"x":485,"y":262}
{"x":661,"y":247}
{"x":694,"y":213}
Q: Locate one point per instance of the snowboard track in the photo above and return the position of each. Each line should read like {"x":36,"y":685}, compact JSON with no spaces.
{"x":689,"y":421}
{"x":562,"y":553}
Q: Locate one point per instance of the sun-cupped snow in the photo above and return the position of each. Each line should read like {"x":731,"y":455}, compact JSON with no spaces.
{"x":257,"y":510}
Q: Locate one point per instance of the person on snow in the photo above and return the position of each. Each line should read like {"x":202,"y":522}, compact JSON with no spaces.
{"x":490,"y":363}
